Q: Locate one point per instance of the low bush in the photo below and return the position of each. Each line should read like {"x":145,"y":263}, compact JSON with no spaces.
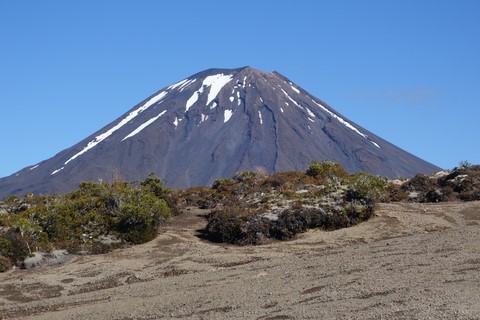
{"x":75,"y":221}
{"x":13,"y":247}
{"x":367,"y":186}
{"x":5,"y":264}
{"x":244,"y":176}
{"x":326,"y":169}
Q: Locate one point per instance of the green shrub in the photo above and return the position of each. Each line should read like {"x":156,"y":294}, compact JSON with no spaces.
{"x":222,"y":183}
{"x":139,"y":220}
{"x":314,"y":169}
{"x":244,"y":176}
{"x":74,"y":221}
{"x":325,"y":169}
{"x":367,"y":186}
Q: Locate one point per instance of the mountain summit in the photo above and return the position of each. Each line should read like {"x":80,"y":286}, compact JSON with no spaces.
{"x":211,"y":125}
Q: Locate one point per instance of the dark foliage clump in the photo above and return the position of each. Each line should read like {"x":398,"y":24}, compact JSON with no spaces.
{"x":461,"y":183}
{"x":253,"y":210}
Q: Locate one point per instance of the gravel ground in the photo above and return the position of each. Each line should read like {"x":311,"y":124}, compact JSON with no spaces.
{"x":411,"y":261}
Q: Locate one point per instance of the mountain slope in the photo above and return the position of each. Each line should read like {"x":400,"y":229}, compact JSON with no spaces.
{"x":211,"y":125}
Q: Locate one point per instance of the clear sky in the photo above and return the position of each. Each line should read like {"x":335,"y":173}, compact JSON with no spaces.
{"x":409,"y":71}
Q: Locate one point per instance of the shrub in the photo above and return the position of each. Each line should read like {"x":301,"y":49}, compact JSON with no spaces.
{"x":225,"y":225}
{"x":222,"y":183}
{"x":326,"y":169}
{"x":74,"y":221}
{"x":5,"y":264}
{"x":138,"y":222}
{"x":13,"y":247}
{"x":244,"y":176}
{"x":367,"y":186}
{"x":464,"y":164}
{"x":314,"y":169}
{"x":396,"y":193}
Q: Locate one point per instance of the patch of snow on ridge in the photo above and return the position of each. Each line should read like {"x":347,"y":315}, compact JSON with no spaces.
{"x":260,"y":116}
{"x":227,"y":114}
{"x":310,"y":113}
{"x":175,"y":122}
{"x":204,"y":118}
{"x":214,"y":105}
{"x":215,"y":82}
{"x":375,"y":144}
{"x":186,"y":84}
{"x":290,"y":98}
{"x":181,"y":84}
{"x":178,"y":84}
{"x":281,"y":109}
{"x":34,"y":167}
{"x":294,"y":89}
{"x":193,"y":99}
{"x":123,"y":122}
{"x":57,"y":171}
{"x":144,"y":125}
{"x":345,"y":123}
{"x":231,"y":99}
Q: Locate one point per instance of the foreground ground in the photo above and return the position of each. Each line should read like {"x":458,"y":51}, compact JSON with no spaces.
{"x":411,"y":261}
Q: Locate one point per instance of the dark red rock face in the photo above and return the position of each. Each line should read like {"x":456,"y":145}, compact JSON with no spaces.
{"x":212,"y":125}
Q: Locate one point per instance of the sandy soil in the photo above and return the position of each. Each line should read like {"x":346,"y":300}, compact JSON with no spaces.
{"x":411,"y":261}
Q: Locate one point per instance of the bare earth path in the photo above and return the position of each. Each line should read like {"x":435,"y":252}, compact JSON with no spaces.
{"x":410,"y":261}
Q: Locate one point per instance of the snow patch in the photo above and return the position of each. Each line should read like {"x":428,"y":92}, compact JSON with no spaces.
{"x":123,"y":122}
{"x":345,"y":123}
{"x":191,"y":101}
{"x":144,"y":125}
{"x":311,"y":120}
{"x":178,"y":84}
{"x":34,"y":167}
{"x":227,"y":114}
{"x":244,"y":81}
{"x":215,"y":82}
{"x":57,"y":171}
{"x":260,"y":116}
{"x":231,"y":99}
{"x":294,"y":89}
{"x":261,"y":99}
{"x":175,"y":122}
{"x":290,"y":98}
{"x":281,"y":109}
{"x":375,"y":144}
{"x":310,"y":113}
{"x":186,"y":84}
{"x":214,"y":105}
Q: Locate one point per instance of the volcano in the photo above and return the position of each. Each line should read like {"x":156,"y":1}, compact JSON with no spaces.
{"x":211,"y":125}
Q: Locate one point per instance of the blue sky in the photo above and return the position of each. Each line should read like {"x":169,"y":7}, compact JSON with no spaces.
{"x":409,"y":71}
